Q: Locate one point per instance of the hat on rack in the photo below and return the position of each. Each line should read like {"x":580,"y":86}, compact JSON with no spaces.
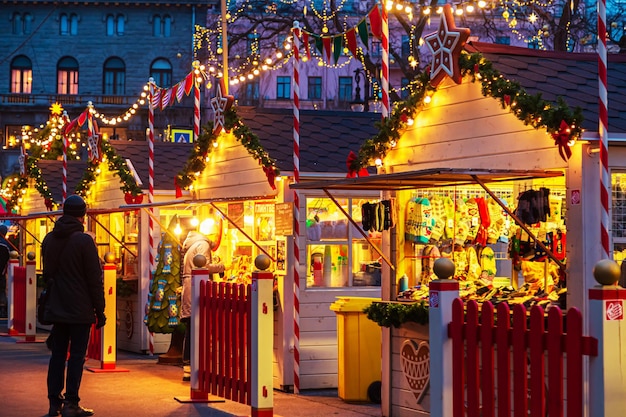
{"x":74,"y":205}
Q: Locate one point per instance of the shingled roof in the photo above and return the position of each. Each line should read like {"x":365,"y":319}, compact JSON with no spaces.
{"x":52,"y":174}
{"x":573,"y":76}
{"x":169,"y":159}
{"x":326,"y":137}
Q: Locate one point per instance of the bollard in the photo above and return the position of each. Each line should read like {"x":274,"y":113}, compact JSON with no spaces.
{"x":13,"y":262}
{"x":108,"y":333}
{"x":607,"y":381}
{"x":31,"y":300}
{"x":442,"y":292}
{"x":262,"y":346}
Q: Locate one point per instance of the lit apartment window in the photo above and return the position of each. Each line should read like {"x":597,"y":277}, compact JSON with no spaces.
{"x":114,"y":77}
{"x":283,"y":87}
{"x":68,"y":24}
{"x":21,"y":75}
{"x":345,"y":89}
{"x":161,"y":71}
{"x":115,"y":25}
{"x":67,"y":76}
{"x":315,"y":88}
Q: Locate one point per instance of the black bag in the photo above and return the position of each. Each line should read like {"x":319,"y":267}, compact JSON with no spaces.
{"x":41,"y":303}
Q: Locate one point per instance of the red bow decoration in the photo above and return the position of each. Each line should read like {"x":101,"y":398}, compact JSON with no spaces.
{"x":178,"y":190}
{"x":48,"y":202}
{"x":271,"y":176}
{"x":507,"y":100}
{"x":133,"y":199}
{"x":561,"y":138}
{"x":352,"y":173}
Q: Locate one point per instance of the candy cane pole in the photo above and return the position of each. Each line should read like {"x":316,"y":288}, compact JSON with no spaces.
{"x":66,"y":120}
{"x":605,"y":180}
{"x":196,"y":101}
{"x":151,"y":252}
{"x":385,"y":60}
{"x":296,"y":207}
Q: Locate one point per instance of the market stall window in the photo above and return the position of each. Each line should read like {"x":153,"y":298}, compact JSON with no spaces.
{"x":495,"y":258}
{"x":338,"y":255}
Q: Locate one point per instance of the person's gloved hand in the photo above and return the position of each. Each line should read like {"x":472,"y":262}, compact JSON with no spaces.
{"x":101,"y":320}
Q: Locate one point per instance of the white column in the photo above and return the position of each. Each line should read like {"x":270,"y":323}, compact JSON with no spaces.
{"x":31,"y":298}
{"x":262,"y":346}
{"x":13,"y":262}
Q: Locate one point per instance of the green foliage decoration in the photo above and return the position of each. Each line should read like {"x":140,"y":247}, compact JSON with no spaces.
{"x":531,"y":109}
{"x":388,"y":314}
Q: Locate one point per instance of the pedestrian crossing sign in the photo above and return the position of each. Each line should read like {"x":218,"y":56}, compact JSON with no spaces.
{"x":182,"y":135}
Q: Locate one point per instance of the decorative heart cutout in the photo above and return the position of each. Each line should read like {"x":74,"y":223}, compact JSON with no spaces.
{"x":416,"y":366}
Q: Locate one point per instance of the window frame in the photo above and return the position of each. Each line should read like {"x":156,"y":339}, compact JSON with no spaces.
{"x":283,"y":87}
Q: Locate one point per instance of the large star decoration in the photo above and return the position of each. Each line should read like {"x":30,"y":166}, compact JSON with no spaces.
{"x":220,"y":105}
{"x":446,"y":45}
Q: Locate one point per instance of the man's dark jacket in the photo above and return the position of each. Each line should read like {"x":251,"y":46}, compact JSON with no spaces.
{"x":77,"y":294}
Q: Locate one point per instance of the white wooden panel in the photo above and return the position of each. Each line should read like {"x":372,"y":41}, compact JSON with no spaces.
{"x":312,"y":367}
{"x":318,"y":381}
{"x":319,"y":353}
{"x":318,"y":338}
{"x":318,"y":324}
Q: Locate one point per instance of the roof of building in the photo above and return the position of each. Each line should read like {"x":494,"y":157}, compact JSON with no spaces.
{"x":52,"y":174}
{"x":169,"y":159}
{"x":573,"y":76}
{"x":326,"y":137}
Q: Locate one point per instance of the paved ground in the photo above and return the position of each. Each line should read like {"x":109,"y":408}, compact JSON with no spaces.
{"x":148,"y":389}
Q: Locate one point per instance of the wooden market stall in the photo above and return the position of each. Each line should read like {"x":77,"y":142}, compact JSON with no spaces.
{"x":482,"y":137}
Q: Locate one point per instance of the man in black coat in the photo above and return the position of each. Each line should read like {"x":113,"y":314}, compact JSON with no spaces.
{"x":76,"y":301}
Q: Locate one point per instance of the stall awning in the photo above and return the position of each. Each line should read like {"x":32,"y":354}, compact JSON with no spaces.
{"x":427,"y":178}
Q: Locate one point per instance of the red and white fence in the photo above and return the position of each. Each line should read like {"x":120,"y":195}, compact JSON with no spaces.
{"x":500,"y":363}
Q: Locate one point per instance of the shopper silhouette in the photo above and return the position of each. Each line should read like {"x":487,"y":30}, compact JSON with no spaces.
{"x":76,"y":301}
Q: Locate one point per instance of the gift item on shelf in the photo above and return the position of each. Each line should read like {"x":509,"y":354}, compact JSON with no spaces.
{"x":376,"y":217}
{"x":419,"y":220}
{"x":533,"y":206}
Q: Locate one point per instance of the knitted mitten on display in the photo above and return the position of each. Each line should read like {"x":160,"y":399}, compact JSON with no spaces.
{"x":439,"y":217}
{"x":496,"y":221}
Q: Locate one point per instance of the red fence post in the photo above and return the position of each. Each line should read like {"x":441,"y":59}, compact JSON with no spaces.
{"x":261,"y":342}
{"x":607,"y":379}
{"x":441,"y":294}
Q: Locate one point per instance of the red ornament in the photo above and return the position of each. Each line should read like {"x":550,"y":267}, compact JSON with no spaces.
{"x":49,"y":203}
{"x":507,"y":99}
{"x":133,"y":199}
{"x":352,"y":173}
{"x":271,"y":176}
{"x":561,"y":139}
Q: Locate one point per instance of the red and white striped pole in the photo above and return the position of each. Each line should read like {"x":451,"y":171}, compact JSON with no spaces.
{"x":66,"y":121}
{"x":385,"y":60}
{"x":151,"y":247}
{"x":296,"y":207}
{"x":603,"y":112}
{"x":196,"y":101}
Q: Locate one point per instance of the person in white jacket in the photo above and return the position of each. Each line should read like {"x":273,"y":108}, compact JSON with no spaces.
{"x":195,"y":244}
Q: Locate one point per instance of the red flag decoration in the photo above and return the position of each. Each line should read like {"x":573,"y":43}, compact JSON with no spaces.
{"x":376,"y":22}
{"x":188,"y":83}
{"x":180,"y":92}
{"x":327,"y":47}
{"x":179,"y":191}
{"x":271,"y":176}
{"x":363,"y":33}
{"x":156,"y":97}
{"x":561,"y":139}
{"x":166,"y":98}
{"x":305,"y":42}
{"x":351,"y":41}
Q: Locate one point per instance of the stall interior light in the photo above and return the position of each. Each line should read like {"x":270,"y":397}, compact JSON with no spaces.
{"x":178,"y":230}
{"x":207,"y":226}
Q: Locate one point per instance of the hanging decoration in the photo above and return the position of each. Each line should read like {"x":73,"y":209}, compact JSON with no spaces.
{"x":220,"y":105}
{"x":446,"y":45}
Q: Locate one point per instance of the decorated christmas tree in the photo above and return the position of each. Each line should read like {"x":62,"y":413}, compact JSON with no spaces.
{"x":164,"y":300}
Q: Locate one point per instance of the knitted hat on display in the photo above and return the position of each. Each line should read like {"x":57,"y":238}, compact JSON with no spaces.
{"x":75,"y":206}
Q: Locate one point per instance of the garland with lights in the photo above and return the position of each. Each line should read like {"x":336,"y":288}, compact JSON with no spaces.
{"x":117,"y":165}
{"x":563,"y":123}
{"x":206,"y":143}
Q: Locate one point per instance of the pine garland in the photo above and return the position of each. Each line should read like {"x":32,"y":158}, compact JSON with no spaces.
{"x":395,"y":314}
{"x":531,"y":109}
{"x":204,"y":145}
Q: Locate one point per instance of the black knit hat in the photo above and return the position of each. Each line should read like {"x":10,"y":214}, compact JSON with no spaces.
{"x":74,"y":206}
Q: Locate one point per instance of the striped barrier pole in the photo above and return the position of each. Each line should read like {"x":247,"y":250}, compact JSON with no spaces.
{"x":385,"y":61}
{"x":296,"y":207}
{"x":605,"y":179}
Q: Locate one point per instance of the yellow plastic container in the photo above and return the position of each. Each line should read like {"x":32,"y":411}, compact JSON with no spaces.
{"x":359,"y":342}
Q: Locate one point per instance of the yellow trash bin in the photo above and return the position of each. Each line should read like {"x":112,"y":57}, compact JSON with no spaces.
{"x":359,"y":342}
